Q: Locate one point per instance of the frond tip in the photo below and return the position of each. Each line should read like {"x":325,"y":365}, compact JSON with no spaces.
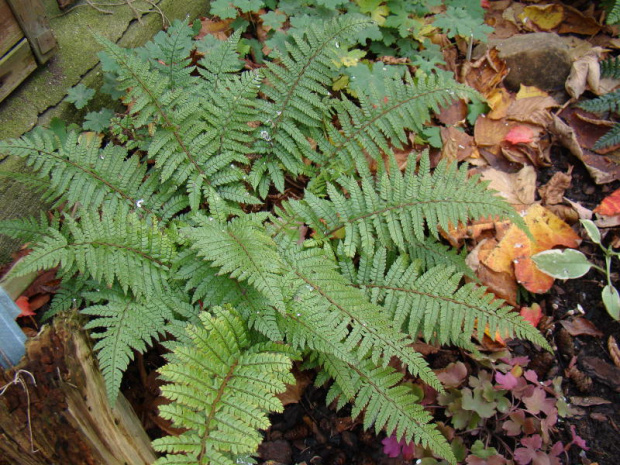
{"x":222,"y":387}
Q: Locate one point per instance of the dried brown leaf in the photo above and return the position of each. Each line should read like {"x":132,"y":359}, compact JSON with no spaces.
{"x":579,"y":326}
{"x":552,"y":193}
{"x":614,"y":351}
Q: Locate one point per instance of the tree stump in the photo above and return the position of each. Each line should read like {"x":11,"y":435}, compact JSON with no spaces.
{"x":65,"y":418}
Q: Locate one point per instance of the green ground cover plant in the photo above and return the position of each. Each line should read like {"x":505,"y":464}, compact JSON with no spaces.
{"x":168,"y":231}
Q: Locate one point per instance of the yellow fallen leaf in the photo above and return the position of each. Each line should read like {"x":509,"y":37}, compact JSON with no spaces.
{"x":530,"y":91}
{"x":545,"y":17}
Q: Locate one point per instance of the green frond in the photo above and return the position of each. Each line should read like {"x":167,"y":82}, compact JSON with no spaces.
{"x":613,"y":14}
{"x":123,"y":325}
{"x":610,"y":138}
{"x":395,"y":209}
{"x":179,"y":146}
{"x":80,"y":172}
{"x":608,"y":102}
{"x":242,"y":250}
{"x":221,"y":60}
{"x":169,"y":52}
{"x":297,"y":83}
{"x":376,"y":124}
{"x":222,"y":386}
{"x":111,"y":247}
{"x":29,"y":228}
{"x":371,"y":332}
{"x":434,"y":303}
{"x":610,"y":67}
{"x":388,"y":404}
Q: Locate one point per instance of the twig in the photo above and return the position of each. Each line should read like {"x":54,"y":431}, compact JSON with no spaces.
{"x":17,"y":379}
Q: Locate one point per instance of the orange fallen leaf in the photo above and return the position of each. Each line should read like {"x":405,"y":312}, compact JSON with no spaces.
{"x":520,"y":135}
{"x":514,"y":252}
{"x":24,"y":306}
{"x":532,"y":314}
{"x":610,"y":206}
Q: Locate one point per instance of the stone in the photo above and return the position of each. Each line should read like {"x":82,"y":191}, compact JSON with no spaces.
{"x":540,"y":59}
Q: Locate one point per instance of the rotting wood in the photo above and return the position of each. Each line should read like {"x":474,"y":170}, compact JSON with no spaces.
{"x":15,"y":66}
{"x":67,"y":410}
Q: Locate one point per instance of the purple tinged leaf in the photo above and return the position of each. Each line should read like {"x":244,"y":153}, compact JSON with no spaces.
{"x":535,"y":403}
{"x":507,"y":381}
{"x":577,"y":440}
{"x":532,"y":442}
{"x":531,"y":376}
{"x":391,"y":446}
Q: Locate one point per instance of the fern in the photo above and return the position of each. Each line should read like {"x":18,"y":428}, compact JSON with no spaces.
{"x":609,"y":102}
{"x":127,"y":325}
{"x":223,"y":385}
{"x":156,"y":236}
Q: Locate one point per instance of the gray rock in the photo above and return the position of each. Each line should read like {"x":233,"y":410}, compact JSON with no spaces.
{"x":541,"y":59}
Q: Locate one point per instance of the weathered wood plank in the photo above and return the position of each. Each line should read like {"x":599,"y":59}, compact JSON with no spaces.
{"x":30,"y":15}
{"x":10,"y":32}
{"x":15,"y":66}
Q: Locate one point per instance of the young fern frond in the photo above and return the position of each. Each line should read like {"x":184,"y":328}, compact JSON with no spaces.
{"x":222,"y":386}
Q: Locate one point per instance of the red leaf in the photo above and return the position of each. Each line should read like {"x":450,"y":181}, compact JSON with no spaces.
{"x":507,"y":381}
{"x":532,"y":314}
{"x":24,"y":306}
{"x":610,"y":206}
{"x":520,"y":134}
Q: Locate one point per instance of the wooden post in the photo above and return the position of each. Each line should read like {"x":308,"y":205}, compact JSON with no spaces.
{"x":30,"y":15}
{"x":65,"y":418}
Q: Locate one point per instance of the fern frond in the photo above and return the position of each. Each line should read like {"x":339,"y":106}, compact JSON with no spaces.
{"x":220,"y":60}
{"x":434,"y":304}
{"x":371,"y":332}
{"x":81,"y":173}
{"x":222,"y":386}
{"x":169,"y":52}
{"x":608,"y":102}
{"x":242,"y":250}
{"x":610,"y":67}
{"x":610,"y":138}
{"x":378,"y":124}
{"x":178,"y":145}
{"x":114,"y":246}
{"x":125,"y":325}
{"x":613,"y":15}
{"x":29,"y":228}
{"x":395,"y":209}
{"x":296,"y":85}
{"x":388,"y":404}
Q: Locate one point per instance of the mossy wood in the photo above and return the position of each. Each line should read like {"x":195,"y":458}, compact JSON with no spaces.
{"x":67,"y":411}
